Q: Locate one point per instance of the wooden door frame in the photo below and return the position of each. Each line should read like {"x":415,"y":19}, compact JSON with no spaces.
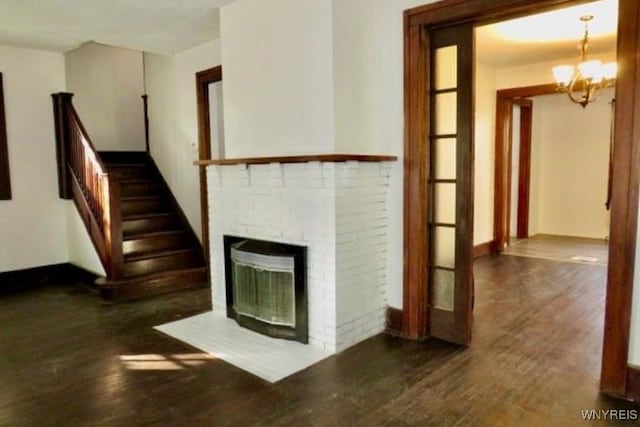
{"x":505,"y":99}
{"x":203,"y":80}
{"x":503,"y":175}
{"x":524,"y":167}
{"x":626,"y":174}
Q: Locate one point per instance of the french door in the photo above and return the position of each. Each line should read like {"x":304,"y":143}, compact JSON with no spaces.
{"x":450,"y":183}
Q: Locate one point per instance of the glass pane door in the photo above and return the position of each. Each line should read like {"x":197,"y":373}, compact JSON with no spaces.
{"x":450,"y":175}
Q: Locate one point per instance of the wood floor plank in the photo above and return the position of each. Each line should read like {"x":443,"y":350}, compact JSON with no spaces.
{"x":68,"y":359}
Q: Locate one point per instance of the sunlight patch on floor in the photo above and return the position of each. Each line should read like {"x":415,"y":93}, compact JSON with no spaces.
{"x":161,"y":362}
{"x":268,"y":358}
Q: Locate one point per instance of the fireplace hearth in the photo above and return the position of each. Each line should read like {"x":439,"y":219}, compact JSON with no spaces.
{"x":266,"y":287}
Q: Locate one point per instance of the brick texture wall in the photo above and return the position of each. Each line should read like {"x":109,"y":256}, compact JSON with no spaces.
{"x":339,"y":211}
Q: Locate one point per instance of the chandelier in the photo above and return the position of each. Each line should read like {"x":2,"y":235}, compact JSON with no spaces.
{"x":584,"y":83}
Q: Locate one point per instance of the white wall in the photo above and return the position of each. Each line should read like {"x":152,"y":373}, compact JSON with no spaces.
{"x":354,"y":61}
{"x":173,"y":122}
{"x":160,"y":82}
{"x":81,"y":250}
{"x":570,"y":156}
{"x":278,"y":77}
{"x":32,"y":224}
{"x":389,"y":123}
{"x":107,"y":83}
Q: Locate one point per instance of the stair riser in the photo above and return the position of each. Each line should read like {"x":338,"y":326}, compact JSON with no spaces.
{"x":155,"y":243}
{"x":140,"y":189}
{"x":144,"y":206}
{"x":149,"y":225}
{"x":165,"y":263}
{"x":124,"y":157}
{"x":131,"y":172}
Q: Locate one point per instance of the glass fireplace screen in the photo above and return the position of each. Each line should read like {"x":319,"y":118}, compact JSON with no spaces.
{"x":263,"y":287}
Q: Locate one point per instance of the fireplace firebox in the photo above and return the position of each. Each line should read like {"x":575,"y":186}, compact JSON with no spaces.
{"x":266,"y":287}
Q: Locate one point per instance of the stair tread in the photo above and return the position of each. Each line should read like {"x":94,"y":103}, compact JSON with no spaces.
{"x":154,"y":234}
{"x":156,"y":254}
{"x":147,"y":215}
{"x":160,"y":274}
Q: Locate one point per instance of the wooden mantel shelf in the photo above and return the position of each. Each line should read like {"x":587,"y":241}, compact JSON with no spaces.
{"x":299,"y":159}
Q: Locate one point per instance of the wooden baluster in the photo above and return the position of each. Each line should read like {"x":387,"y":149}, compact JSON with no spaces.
{"x":90,"y":186}
{"x":100,"y":193}
{"x":82,"y":168}
{"x":73,"y":148}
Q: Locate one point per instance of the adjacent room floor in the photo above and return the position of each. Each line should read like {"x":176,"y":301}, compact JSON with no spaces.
{"x":68,"y":359}
{"x":561,"y":248}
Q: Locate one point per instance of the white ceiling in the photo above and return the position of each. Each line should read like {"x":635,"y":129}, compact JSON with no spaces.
{"x":162,"y":26}
{"x":168,"y":26}
{"x":548,"y":36}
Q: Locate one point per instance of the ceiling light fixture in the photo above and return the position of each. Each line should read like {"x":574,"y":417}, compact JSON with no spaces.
{"x":589,"y":77}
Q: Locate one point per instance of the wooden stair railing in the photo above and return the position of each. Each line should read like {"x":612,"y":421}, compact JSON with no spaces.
{"x":83,"y":177}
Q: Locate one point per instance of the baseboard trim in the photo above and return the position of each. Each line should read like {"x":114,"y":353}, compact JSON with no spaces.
{"x":394,"y":321}
{"x":54,"y":274}
{"x":633,"y":383}
{"x":485,"y":248}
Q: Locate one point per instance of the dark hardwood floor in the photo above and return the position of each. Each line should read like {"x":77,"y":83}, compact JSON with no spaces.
{"x":66,"y":359}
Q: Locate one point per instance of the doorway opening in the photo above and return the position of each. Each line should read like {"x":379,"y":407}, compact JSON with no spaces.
{"x":419,"y":25}
{"x":559,"y":185}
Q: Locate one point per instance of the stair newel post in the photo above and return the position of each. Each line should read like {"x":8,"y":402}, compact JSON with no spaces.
{"x":113,"y":227}
{"x":61,"y":103}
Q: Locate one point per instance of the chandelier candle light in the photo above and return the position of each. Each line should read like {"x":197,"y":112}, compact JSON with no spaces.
{"x":590,"y":76}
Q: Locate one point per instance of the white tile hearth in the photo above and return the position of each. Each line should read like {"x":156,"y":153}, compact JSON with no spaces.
{"x":268,"y":358}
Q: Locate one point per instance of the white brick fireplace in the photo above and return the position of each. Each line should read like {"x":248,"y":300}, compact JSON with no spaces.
{"x":338,"y":210}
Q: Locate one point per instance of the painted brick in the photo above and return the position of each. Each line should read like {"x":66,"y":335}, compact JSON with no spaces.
{"x":339,"y":211}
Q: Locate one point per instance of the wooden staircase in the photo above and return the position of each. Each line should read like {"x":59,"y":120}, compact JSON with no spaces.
{"x":160,"y":251}
{"x":145,"y":242}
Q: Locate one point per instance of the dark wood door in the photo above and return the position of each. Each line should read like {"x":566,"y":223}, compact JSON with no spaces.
{"x":450,"y":189}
